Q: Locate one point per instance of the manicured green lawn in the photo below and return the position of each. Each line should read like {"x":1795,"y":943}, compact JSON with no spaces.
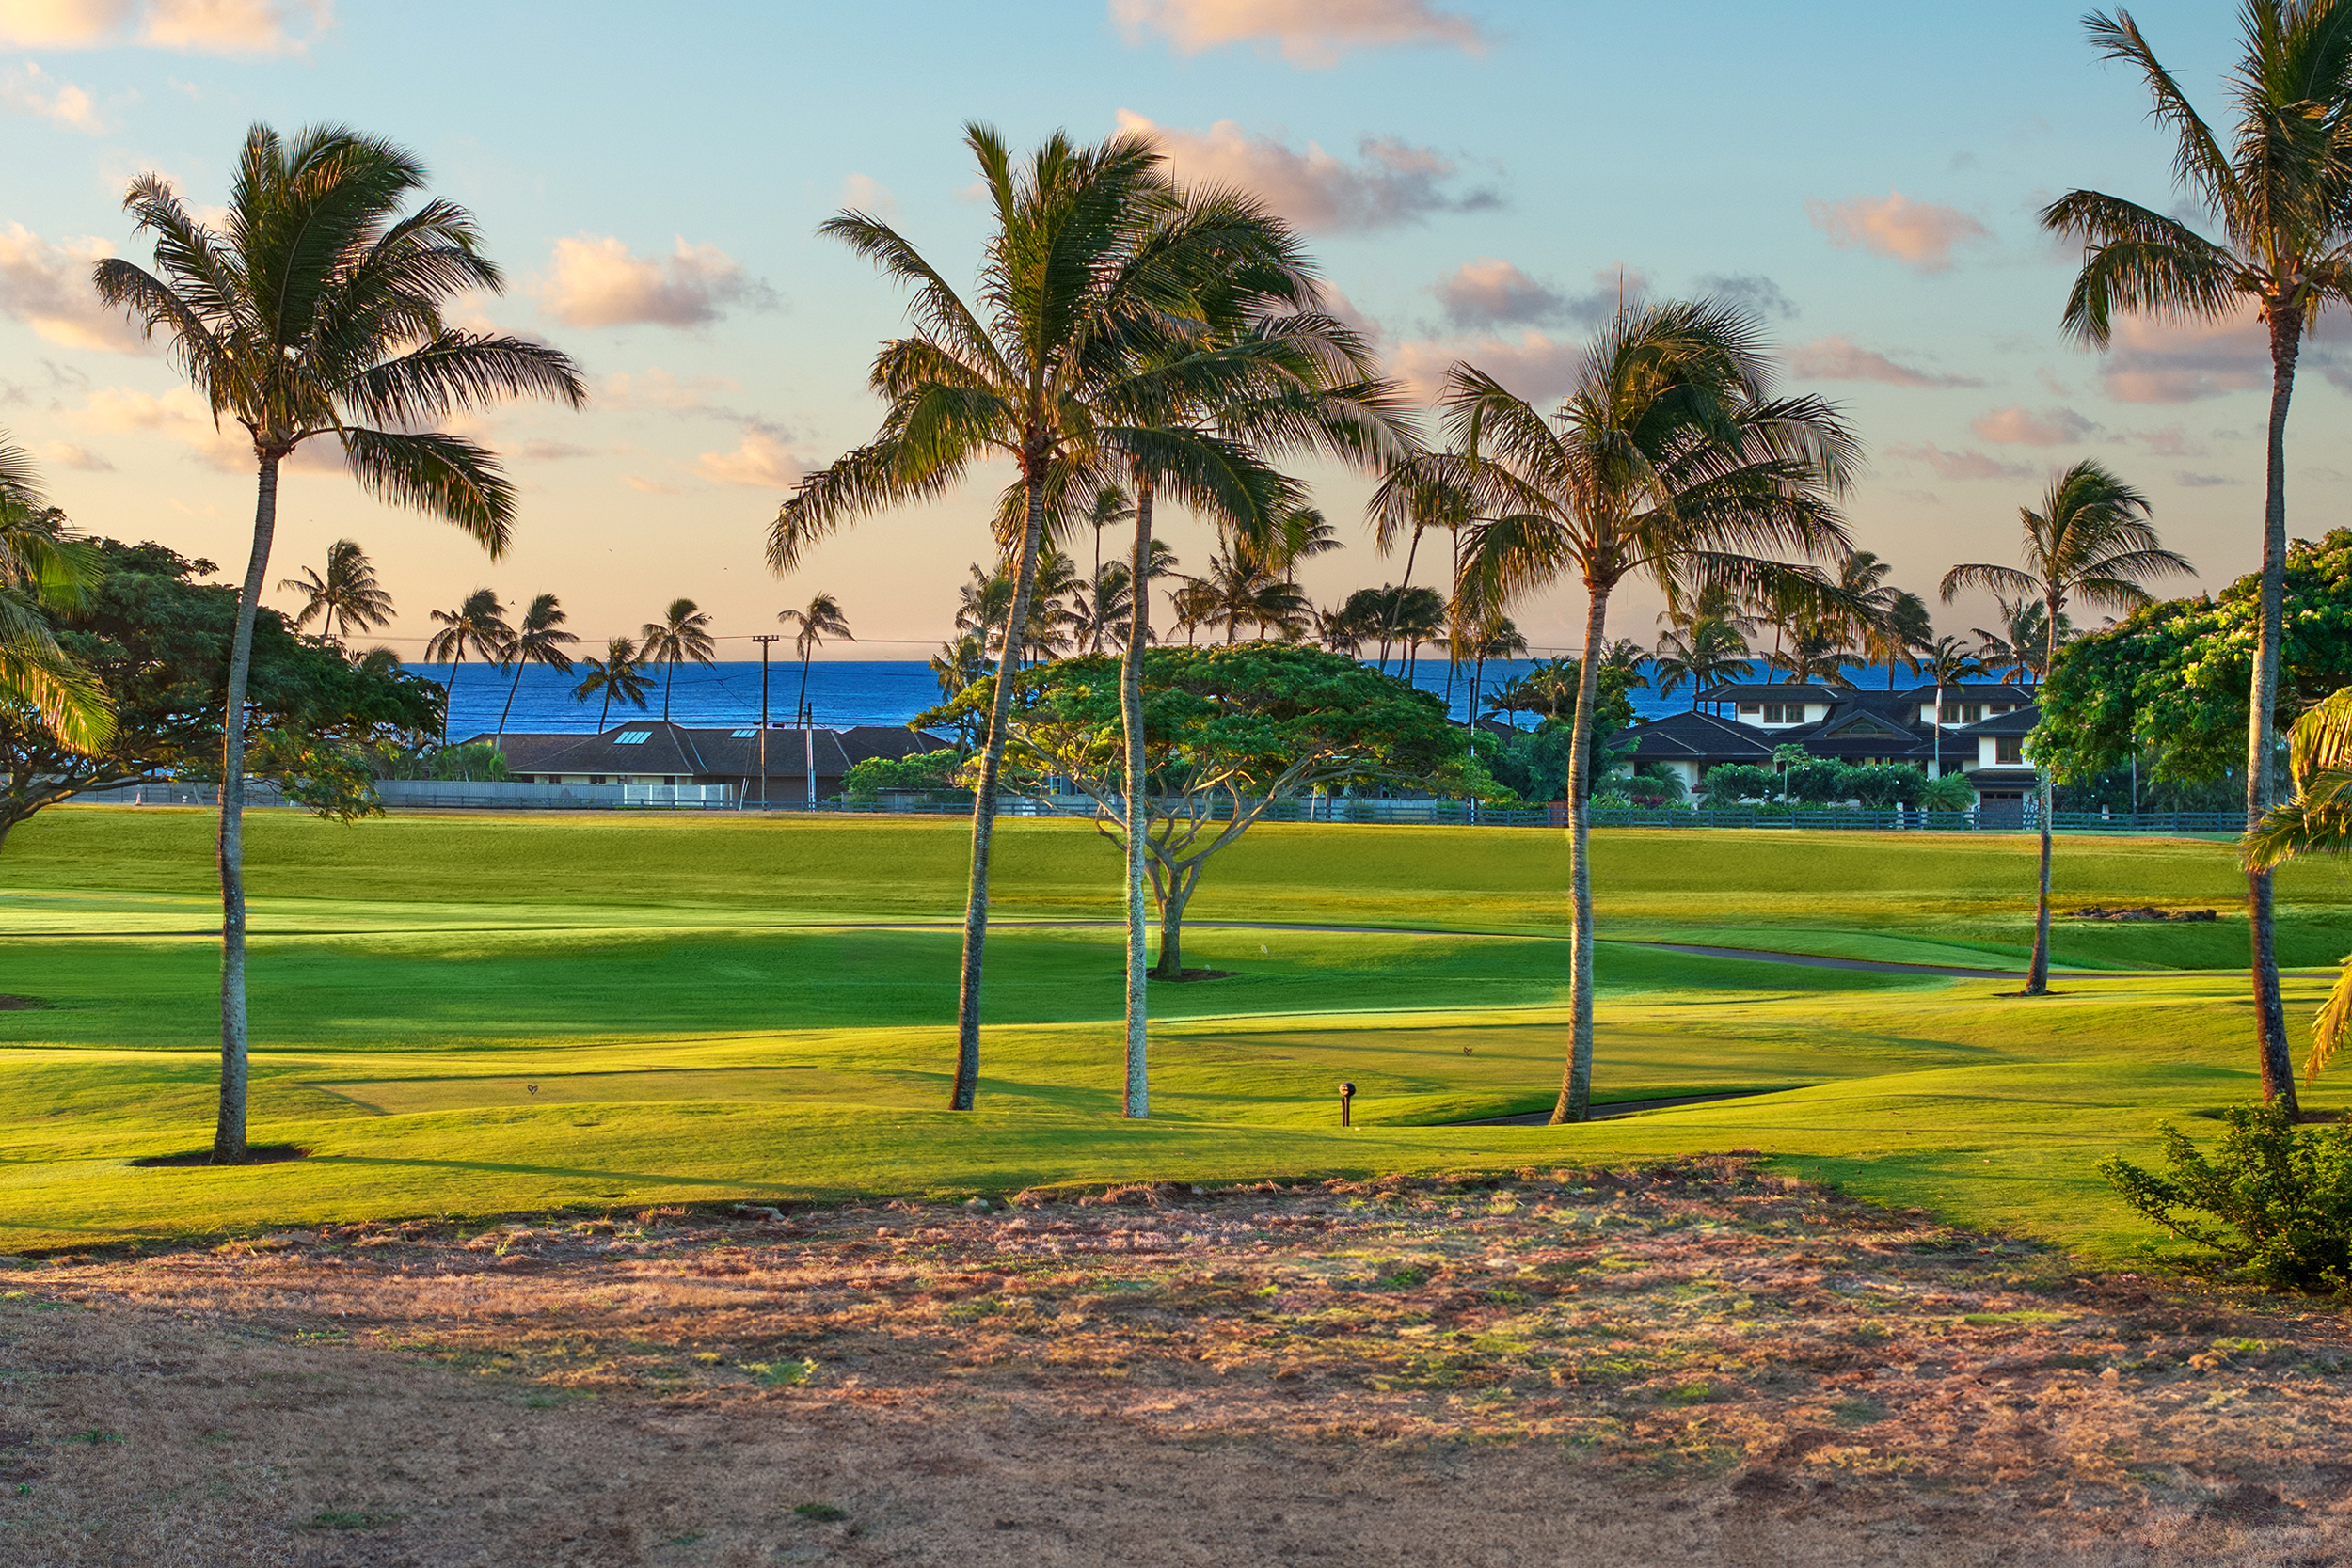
{"x":473,"y":1015}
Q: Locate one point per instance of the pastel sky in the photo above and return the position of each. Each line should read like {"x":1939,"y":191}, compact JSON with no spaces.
{"x":1479,"y":176}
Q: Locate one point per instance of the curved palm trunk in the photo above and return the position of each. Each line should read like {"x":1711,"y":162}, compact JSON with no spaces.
{"x":229,"y":1142}
{"x":1576,"y":1085}
{"x":984,"y":796}
{"x":449,"y":686}
{"x":606,"y":711}
{"x":1135,"y":790}
{"x":667,"y":682}
{"x":509,"y":709}
{"x":2286,"y":333}
{"x":2038,"y":976}
{"x":800,"y":709}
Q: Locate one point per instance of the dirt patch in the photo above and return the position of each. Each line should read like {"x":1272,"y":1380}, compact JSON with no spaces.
{"x":2145,"y":911}
{"x":1697,"y":1364}
{"x":21,"y":1004}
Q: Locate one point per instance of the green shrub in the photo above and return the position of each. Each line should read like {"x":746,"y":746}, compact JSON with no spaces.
{"x":1952,"y":792}
{"x":2274,"y":1201}
{"x":930,"y":771}
{"x":1731,"y":782}
{"x":1879,"y":786}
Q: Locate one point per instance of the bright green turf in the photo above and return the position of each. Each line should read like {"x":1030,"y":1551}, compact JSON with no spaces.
{"x":730,"y":1007}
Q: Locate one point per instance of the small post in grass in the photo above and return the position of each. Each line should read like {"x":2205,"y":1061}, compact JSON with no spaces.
{"x":1347,"y":1092}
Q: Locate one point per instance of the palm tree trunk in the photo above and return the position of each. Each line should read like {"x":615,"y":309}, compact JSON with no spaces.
{"x":229,"y":1143}
{"x":1135,"y":789}
{"x":2286,"y":332}
{"x":448,"y":690}
{"x":1576,"y":1085}
{"x":606,"y":711}
{"x":667,"y":682}
{"x":2038,"y":975}
{"x":509,"y":709}
{"x":984,"y":793}
{"x":800,"y":709}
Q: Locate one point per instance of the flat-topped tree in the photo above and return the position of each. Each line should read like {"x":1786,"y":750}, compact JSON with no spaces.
{"x":2280,"y":194}
{"x":315,"y":312}
{"x":1230,"y":733}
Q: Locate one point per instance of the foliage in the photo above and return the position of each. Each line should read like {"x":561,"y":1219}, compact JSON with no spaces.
{"x":347,"y":594}
{"x":2273,"y":1200}
{"x":474,"y":762}
{"x":2317,"y":820}
{"x":2171,"y":683}
{"x":934,"y":771}
{"x":1948,"y":792}
{"x":1819,"y":780}
{"x":157,"y":641}
{"x":1730,"y":782}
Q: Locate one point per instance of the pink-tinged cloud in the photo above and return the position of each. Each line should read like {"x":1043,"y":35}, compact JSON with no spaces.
{"x":2170,"y":441}
{"x":46,"y":286}
{"x":1920,"y":235}
{"x":1958,"y":464}
{"x":69,"y":454}
{"x":2155,"y":361}
{"x":759,"y":462}
{"x":1835,"y":358}
{"x":30,"y":90}
{"x":2016,"y":426}
{"x":1538,"y":368}
{"x":644,"y":486}
{"x":1309,"y":33}
{"x":1490,"y":291}
{"x":664,"y":390}
{"x":1390,"y":182}
{"x":596,"y":280}
{"x":188,"y":26}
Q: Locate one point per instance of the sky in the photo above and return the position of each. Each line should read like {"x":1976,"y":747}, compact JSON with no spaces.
{"x":1479,"y":180}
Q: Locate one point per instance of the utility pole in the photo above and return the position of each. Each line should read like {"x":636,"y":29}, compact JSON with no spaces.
{"x":764,"y":641}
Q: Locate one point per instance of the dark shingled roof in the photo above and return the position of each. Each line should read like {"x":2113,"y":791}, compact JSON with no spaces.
{"x":1697,"y":736}
{"x":1748,"y":693}
{"x":674,"y":751}
{"x":2017,"y":722}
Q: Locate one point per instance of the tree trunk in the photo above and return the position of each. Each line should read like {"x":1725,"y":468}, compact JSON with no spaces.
{"x":1180,"y":886}
{"x":1134,"y":789}
{"x":229,"y":1142}
{"x":667,"y":682}
{"x":505,"y":712}
{"x":984,"y":792}
{"x":449,"y":686}
{"x":800,"y":709}
{"x":2038,"y":974}
{"x":1576,"y":1086}
{"x":2270,"y":1020}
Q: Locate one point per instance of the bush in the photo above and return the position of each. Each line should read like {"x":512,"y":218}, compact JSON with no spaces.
{"x":477,"y":763}
{"x":1817,"y":780}
{"x":930,"y":771}
{"x":1731,"y":782}
{"x":1879,"y":786}
{"x":2274,"y":1201}
{"x":1952,"y":792}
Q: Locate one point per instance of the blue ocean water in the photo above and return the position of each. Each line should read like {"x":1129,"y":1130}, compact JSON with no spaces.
{"x":842,"y":692}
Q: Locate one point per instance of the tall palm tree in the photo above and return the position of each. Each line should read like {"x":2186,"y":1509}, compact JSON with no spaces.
{"x":44,"y":566}
{"x":478,"y":627}
{"x":1948,"y":661}
{"x":1094,"y":267}
{"x":346,"y":595}
{"x":1111,"y":508}
{"x":2316,"y":819}
{"x":1897,"y":635}
{"x":540,"y":639}
{"x":683,"y":633}
{"x":1417,"y":497}
{"x":2091,"y":541}
{"x":2280,"y":194}
{"x":1669,"y":458}
{"x":621,"y":672}
{"x":2019,"y":650}
{"x":1710,"y":651}
{"x":820,"y":618}
{"x":1299,"y":533}
{"x":316,"y":311}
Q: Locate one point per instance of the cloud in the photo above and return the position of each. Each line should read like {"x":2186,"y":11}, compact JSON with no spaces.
{"x":596,"y":280}
{"x":863,"y":193}
{"x":663,"y":390}
{"x":66,"y":454}
{"x":28,"y":89}
{"x":1390,"y":182}
{"x":2170,"y":441}
{"x":178,"y":415}
{"x":2014,"y":426}
{"x":552,"y":452}
{"x":1490,"y":291}
{"x":1836,"y":360}
{"x":1755,"y":290}
{"x":2154,"y":361}
{"x":1959,"y":464}
{"x":761,"y":462}
{"x":1537,"y":368}
{"x":1920,"y":235}
{"x":189,"y":26}
{"x":47,"y":287}
{"x":1344,"y":311}
{"x":1309,"y":33}
{"x":2202,"y":482}
{"x":644,"y":486}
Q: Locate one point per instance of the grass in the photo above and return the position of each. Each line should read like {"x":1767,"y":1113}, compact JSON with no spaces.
{"x":473,"y":1016}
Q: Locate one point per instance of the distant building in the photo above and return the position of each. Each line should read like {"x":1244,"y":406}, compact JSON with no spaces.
{"x":655,"y":752}
{"x":1984,"y":728}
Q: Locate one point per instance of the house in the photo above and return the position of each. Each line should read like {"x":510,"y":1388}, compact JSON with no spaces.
{"x":1976,"y":728}
{"x":800,"y":765}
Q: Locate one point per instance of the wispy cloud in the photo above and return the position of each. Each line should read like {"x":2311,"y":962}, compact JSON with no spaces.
{"x":188,"y":26}
{"x":1537,"y":366}
{"x":46,"y":286}
{"x":1390,"y":182}
{"x":1920,"y":235}
{"x":2154,"y":361}
{"x":758,"y":462}
{"x":2201,"y":481}
{"x":1309,"y":33}
{"x":30,"y":90}
{"x":1754,"y":289}
{"x":596,"y":280}
{"x":69,"y":454}
{"x":1493,"y":292}
{"x":1958,"y":464}
{"x":863,"y":193}
{"x":1836,"y":358}
{"x":2017,"y":426}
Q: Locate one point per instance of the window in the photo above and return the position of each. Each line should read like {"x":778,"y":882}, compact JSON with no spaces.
{"x":1783,"y":713}
{"x":1963,"y":713}
{"x":746,"y":735}
{"x":632,"y":738}
{"x":2009,"y":751}
{"x":1746,"y":709}
{"x":595,"y":778}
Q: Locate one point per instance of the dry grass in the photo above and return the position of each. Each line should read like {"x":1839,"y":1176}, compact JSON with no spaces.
{"x":1687,"y":1365}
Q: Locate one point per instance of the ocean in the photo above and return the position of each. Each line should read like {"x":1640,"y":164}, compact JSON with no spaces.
{"x":842,"y":692}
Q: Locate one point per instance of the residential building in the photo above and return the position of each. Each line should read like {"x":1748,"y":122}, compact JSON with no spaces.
{"x":802,"y":765}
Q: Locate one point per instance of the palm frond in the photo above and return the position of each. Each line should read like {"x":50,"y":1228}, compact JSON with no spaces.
{"x":447,"y":476}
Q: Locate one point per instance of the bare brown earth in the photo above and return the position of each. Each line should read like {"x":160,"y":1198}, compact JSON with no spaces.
{"x":1695,"y":1366}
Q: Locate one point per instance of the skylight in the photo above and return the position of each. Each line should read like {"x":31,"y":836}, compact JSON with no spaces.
{"x":744,"y":734}
{"x":632,"y":738}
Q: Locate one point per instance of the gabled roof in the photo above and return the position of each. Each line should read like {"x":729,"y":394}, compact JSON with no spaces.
{"x":1752,"y":692}
{"x":896,"y":742}
{"x":2017,"y":722}
{"x":671,"y":749}
{"x":1975,"y":691}
{"x":1693,"y":735}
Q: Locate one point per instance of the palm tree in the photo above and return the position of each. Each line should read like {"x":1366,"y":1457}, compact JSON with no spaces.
{"x":1896,"y":636}
{"x":620,"y":673}
{"x":1299,"y":533}
{"x":2091,"y":541}
{"x":44,"y":567}
{"x":2281,"y":194}
{"x":683,"y":633}
{"x":316,"y":312}
{"x":2019,"y":649}
{"x":1113,"y":606}
{"x":1094,"y":268}
{"x":346,"y":595}
{"x":1416,"y":499}
{"x":1494,"y":636}
{"x":1948,"y":661}
{"x":1669,"y":458}
{"x":2318,"y":820}
{"x":479,"y":627}
{"x":1709,"y":652}
{"x":541,"y":641}
{"x":1111,"y":508}
{"x":820,"y":618}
